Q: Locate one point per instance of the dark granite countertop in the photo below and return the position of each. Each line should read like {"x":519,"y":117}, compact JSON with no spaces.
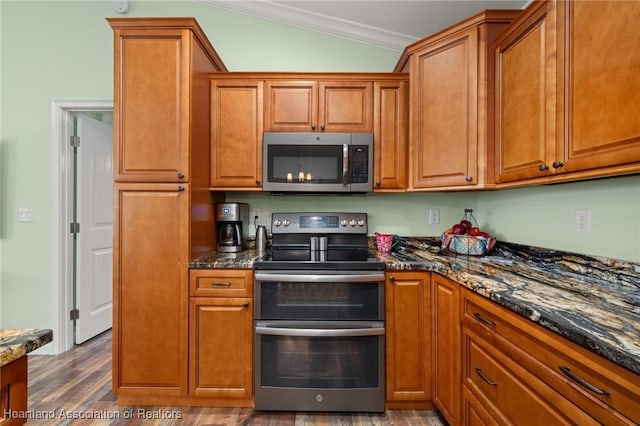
{"x":15,"y":343}
{"x":592,"y":301}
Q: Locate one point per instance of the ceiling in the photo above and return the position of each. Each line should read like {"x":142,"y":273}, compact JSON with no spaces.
{"x":385,"y":23}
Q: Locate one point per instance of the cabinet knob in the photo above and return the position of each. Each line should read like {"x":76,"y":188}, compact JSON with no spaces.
{"x":543,"y":167}
{"x":180,"y":175}
{"x":392,"y":278}
{"x":557,"y":164}
{"x":378,"y":183}
{"x":322,"y":128}
{"x":180,"y":188}
{"x":245,"y":304}
{"x":313,"y":127}
{"x":258,"y":181}
{"x":468,"y":178}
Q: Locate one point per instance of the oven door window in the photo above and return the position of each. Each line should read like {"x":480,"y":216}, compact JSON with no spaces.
{"x":319,"y":362}
{"x":321,"y":300}
{"x":305,"y":164}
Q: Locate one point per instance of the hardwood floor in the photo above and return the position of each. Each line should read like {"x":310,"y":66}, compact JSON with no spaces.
{"x":78,"y":383}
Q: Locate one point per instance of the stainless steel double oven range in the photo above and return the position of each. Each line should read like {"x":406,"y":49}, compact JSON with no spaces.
{"x":319,"y":317}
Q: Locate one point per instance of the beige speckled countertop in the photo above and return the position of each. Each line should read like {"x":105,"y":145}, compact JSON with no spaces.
{"x":592,"y":301}
{"x":15,"y":343}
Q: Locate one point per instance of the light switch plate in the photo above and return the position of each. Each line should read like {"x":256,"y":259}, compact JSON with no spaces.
{"x":25,"y":214}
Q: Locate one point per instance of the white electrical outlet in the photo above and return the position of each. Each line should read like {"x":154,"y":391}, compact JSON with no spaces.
{"x":434,"y":216}
{"x":25,"y":214}
{"x":583,"y":221}
{"x":260,"y":217}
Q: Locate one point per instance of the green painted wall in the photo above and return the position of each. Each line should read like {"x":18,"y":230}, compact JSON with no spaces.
{"x":62,"y":50}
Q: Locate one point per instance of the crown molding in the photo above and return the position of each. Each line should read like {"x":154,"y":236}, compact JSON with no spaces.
{"x":344,"y":28}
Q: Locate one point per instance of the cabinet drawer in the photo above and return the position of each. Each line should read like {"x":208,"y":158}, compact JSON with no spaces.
{"x":511,"y":393}
{"x":221,"y":282}
{"x":607,"y":391}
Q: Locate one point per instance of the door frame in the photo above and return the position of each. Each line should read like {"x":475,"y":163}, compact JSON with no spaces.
{"x":61,"y":124}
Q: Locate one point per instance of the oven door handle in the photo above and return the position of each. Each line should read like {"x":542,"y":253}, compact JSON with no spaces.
{"x":320,"y":332}
{"x":320,"y":278}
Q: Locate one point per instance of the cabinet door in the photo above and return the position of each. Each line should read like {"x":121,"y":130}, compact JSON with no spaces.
{"x":525,"y":96}
{"x":221,"y":352}
{"x":236,"y":134}
{"x":291,"y":106}
{"x":444,"y":123}
{"x":150,"y":289}
{"x":390,"y":136}
{"x":346,"y":106}
{"x":602,"y":63}
{"x":446,"y":347}
{"x":151,"y":106}
{"x":408,"y":337}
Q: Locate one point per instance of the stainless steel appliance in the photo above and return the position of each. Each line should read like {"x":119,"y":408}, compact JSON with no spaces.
{"x":319,"y":316}
{"x":232,"y":223}
{"x":317,"y":162}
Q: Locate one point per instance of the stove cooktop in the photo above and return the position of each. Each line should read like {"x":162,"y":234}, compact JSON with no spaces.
{"x":370,"y":264}
{"x":321,"y":241}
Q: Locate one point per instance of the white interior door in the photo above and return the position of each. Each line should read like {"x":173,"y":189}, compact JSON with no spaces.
{"x":94,"y":207}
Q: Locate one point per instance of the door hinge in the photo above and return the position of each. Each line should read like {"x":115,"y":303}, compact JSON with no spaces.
{"x":74,"y":228}
{"x":75,"y":141}
{"x":74,"y":314}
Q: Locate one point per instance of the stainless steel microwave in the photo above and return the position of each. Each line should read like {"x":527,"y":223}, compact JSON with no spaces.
{"x":317,"y":162}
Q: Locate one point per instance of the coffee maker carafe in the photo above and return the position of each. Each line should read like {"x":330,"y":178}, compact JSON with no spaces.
{"x":232,"y":221}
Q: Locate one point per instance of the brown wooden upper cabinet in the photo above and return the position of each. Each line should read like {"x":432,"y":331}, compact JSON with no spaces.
{"x":318,"y":106}
{"x":160,"y":81}
{"x":236,"y":133}
{"x":450,"y":125}
{"x":390,"y":134}
{"x":568,"y":92}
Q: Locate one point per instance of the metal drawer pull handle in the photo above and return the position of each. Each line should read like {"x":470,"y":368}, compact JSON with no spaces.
{"x":485,"y":378}
{"x":567,"y":372}
{"x":221,"y":284}
{"x":483,"y":319}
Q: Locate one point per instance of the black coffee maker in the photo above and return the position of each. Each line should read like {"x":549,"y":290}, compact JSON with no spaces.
{"x":232,"y":223}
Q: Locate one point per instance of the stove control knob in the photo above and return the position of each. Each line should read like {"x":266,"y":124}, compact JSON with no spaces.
{"x":352,"y":222}
{"x":361,"y":222}
{"x":285,"y":223}
{"x":276,"y":222}
{"x":343,"y":222}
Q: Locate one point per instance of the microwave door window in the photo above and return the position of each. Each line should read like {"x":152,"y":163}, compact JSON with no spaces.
{"x":305,"y":164}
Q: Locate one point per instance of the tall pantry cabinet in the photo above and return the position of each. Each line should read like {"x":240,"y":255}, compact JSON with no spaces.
{"x":163,"y":208}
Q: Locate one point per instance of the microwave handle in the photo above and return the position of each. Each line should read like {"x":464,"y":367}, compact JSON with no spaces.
{"x":345,"y":164}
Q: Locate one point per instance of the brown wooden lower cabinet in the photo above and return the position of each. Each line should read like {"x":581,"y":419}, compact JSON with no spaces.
{"x":473,"y":413}
{"x":221,"y":337}
{"x":445,"y":347}
{"x":150,"y":292}
{"x":510,"y":393}
{"x":13,"y":392}
{"x":517,"y":371}
{"x":408,"y":337}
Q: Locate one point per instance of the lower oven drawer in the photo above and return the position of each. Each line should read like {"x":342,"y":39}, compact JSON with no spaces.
{"x":320,"y":366}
